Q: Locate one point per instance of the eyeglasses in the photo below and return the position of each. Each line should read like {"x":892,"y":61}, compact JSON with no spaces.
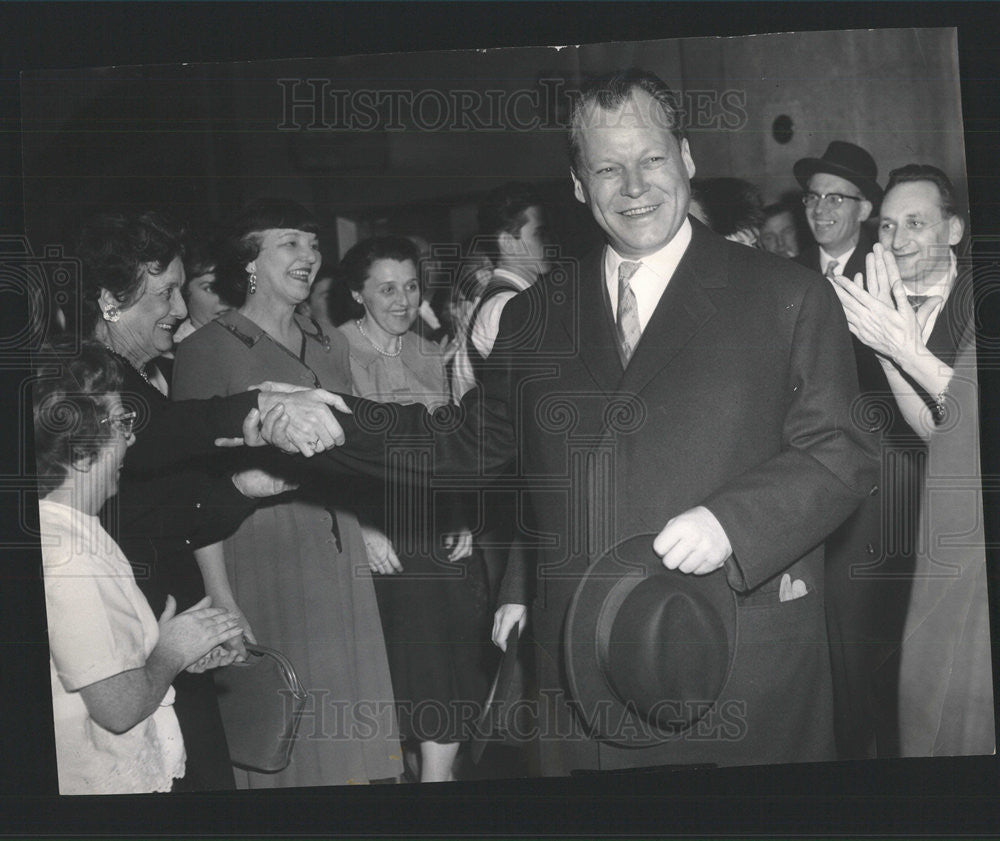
{"x":833,"y":199}
{"x":123,"y":423}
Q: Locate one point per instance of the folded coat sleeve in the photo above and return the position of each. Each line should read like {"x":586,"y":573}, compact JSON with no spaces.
{"x":780,"y":510}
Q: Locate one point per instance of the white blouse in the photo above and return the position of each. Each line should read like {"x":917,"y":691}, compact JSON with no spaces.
{"x":100,"y":625}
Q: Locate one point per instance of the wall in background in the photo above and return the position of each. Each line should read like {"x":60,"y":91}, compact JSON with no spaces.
{"x":204,"y":138}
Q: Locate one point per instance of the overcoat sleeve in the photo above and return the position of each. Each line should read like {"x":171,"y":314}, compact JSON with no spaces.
{"x":787,"y":505}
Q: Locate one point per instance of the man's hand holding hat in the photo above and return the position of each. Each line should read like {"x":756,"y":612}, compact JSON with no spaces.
{"x":693,"y":542}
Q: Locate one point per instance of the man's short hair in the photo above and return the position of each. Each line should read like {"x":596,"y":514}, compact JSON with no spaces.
{"x":776,"y":209}
{"x":926,"y":172}
{"x":610,"y":91}
{"x":504,"y":210}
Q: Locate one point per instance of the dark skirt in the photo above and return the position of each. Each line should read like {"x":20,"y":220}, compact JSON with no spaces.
{"x":436,"y":621}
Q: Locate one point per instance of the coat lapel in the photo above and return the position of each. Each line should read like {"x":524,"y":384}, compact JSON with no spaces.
{"x":683,"y":310}
{"x":595,"y":331}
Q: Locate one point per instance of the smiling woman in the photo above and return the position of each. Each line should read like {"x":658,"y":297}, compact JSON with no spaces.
{"x":296,"y":570}
{"x":112,"y":664}
{"x":132,"y":290}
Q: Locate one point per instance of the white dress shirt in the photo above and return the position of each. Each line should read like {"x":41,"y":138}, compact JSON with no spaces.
{"x":842,"y":260}
{"x":651,"y":279}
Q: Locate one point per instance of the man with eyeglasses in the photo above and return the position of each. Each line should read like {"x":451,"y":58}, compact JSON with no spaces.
{"x":841,"y":191}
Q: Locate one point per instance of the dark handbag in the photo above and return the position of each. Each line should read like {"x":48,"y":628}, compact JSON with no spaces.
{"x":261,"y":702}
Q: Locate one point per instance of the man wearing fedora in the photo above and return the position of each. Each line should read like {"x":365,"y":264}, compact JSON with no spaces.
{"x":840,"y":192}
{"x":678,"y":408}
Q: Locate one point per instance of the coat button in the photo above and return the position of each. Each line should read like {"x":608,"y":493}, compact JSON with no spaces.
{"x":197,"y":505}
{"x":873,"y":491}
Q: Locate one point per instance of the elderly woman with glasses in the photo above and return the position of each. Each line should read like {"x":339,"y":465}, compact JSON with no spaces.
{"x":112,"y":663}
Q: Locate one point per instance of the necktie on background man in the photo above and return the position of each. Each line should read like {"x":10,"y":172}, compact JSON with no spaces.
{"x":832,"y":269}
{"x":916,"y":300}
{"x":627,"y":322}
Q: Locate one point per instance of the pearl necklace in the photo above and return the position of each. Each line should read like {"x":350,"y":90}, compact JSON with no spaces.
{"x":399,"y":342}
{"x":132,"y":365}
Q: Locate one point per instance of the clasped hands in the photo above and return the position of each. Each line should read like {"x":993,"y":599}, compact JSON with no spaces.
{"x":293,"y":418}
{"x":882,"y":317}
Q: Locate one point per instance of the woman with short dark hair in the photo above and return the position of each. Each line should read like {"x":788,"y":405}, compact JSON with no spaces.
{"x":296,"y":570}
{"x":432,"y":587}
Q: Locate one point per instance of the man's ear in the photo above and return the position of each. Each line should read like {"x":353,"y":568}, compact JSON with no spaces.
{"x":956,"y":227}
{"x":83,"y":463}
{"x":686,"y":157}
{"x":865,"y":208}
{"x":578,"y":189}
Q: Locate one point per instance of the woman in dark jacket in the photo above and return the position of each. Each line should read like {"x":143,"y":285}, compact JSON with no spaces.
{"x":171,"y":500}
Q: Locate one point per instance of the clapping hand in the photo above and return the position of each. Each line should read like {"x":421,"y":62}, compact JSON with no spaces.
{"x":190,"y":635}
{"x":216,"y":658}
{"x":882,"y":317}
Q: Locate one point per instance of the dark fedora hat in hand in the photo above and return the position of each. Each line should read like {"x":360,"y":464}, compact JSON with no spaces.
{"x":847,"y":161}
{"x":648,"y":650}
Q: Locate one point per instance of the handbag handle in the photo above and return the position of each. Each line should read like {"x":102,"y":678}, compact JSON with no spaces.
{"x":287,"y":669}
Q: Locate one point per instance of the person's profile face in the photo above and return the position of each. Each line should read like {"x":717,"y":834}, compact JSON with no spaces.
{"x":633,"y":174}
{"x":913,"y":227}
{"x":531,"y":240}
{"x":145,"y":328}
{"x":778,"y":235}
{"x":203,"y":302}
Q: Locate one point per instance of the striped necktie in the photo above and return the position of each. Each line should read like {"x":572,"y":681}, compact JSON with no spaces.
{"x":832,"y":269}
{"x":627,"y":322}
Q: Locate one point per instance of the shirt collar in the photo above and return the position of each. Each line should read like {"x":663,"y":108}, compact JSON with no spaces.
{"x":842,"y":260}
{"x":662,"y":263}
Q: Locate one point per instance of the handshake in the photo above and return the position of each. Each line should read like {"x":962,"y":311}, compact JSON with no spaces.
{"x":293,"y":419}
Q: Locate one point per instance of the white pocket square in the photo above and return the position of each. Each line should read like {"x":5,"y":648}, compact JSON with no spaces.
{"x":789,"y":589}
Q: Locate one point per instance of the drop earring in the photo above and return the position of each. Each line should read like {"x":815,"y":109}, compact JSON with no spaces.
{"x":252,"y":283}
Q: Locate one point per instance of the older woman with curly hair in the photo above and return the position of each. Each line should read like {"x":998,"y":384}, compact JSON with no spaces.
{"x":112,"y":663}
